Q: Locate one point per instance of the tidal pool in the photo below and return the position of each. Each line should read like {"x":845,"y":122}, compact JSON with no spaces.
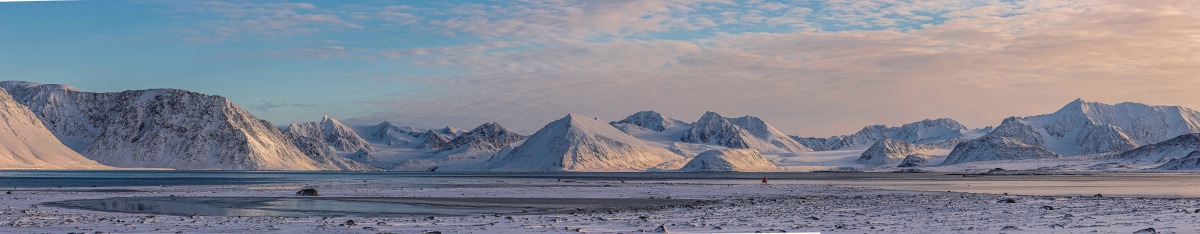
{"x":359,"y":206}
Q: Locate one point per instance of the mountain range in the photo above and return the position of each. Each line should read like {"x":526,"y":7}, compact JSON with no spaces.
{"x":60,"y":127}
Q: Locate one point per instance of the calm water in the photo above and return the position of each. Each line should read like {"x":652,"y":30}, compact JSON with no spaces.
{"x":1133,"y":184}
{"x":362,"y":207}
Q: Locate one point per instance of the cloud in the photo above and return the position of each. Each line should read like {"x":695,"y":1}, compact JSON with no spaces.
{"x":976,"y":61}
{"x":323,"y":52}
{"x":268,"y":106}
{"x":223,"y":20}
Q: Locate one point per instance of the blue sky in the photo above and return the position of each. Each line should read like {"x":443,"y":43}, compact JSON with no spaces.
{"x":812,"y":68}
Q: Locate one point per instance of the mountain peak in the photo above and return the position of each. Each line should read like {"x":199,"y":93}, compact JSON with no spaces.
{"x":648,"y":120}
{"x":580,"y":143}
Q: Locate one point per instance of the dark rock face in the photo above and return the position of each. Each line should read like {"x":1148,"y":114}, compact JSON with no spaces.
{"x":307,"y":192}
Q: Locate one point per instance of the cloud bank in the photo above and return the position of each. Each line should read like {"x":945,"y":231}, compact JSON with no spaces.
{"x":812,"y":69}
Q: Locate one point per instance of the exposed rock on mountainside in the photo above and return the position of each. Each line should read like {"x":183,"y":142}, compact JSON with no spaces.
{"x":746,"y":132}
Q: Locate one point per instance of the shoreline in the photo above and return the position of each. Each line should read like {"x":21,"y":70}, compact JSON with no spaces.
{"x":735,"y":208}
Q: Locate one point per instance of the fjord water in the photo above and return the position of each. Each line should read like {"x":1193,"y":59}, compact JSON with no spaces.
{"x":1108,"y":184}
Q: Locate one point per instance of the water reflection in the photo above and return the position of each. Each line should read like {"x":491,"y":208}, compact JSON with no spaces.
{"x":367,"y":207}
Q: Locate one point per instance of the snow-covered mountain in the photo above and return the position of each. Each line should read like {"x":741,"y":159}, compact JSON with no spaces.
{"x":649,"y":120}
{"x":323,"y":154}
{"x":1081,"y":128}
{"x":580,"y":143}
{"x":28,"y":145}
{"x":745,"y":132}
{"x":480,"y":142}
{"x":990,"y":148}
{"x":889,"y":151}
{"x":942,"y":131}
{"x":434,"y":140}
{"x":730,"y":160}
{"x":162,"y":128}
{"x":915,"y":160}
{"x":332,"y":132}
{"x":1174,"y":148}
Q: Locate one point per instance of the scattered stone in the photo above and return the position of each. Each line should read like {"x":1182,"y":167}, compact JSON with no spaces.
{"x":1007,"y":200}
{"x":661,"y":228}
{"x":1146,"y":231}
{"x":1098,"y":195}
{"x":1047,"y":207}
{"x":307,"y":192}
{"x":350,"y":223}
{"x":1010,"y":228}
{"x":1057,"y":226}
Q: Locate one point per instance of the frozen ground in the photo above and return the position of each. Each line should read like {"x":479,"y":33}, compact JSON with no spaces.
{"x":732,"y":208}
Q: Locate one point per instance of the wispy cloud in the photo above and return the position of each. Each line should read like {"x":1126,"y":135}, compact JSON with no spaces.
{"x":268,"y":106}
{"x":232,"y":19}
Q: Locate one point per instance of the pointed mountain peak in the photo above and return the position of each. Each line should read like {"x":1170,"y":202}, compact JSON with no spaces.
{"x":710,"y":115}
{"x":1076,"y":106}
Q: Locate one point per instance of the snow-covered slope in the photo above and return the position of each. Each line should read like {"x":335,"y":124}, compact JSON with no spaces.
{"x":1191,"y":162}
{"x":888,"y":151}
{"x":325,"y":155}
{"x":992,"y":148}
{"x":942,"y":131}
{"x":649,"y":120}
{"x":162,"y":128}
{"x":26,"y":144}
{"x":746,"y":132}
{"x":729,"y":160}
{"x":915,"y":160}
{"x":433,"y":140}
{"x":1174,"y":148}
{"x":1081,"y":128}
{"x":580,"y":143}
{"x":332,"y":132}
{"x":480,"y":142}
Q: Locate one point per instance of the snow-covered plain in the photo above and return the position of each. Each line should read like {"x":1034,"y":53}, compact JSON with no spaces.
{"x":728,"y":207}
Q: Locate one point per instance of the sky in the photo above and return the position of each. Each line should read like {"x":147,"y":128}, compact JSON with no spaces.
{"x":810,"y":68}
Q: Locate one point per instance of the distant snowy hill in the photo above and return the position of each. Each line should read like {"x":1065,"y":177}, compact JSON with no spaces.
{"x":580,"y":143}
{"x":332,"y":132}
{"x":1082,"y":128}
{"x":649,"y":120}
{"x":162,"y":128}
{"x":730,"y":160}
{"x":746,"y":132}
{"x":26,"y":144}
{"x":1174,"y":148}
{"x":888,"y":151}
{"x":944,"y":131}
{"x":1191,"y":162}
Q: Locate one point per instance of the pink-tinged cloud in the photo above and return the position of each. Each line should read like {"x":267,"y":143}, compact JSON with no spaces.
{"x":987,"y":61}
